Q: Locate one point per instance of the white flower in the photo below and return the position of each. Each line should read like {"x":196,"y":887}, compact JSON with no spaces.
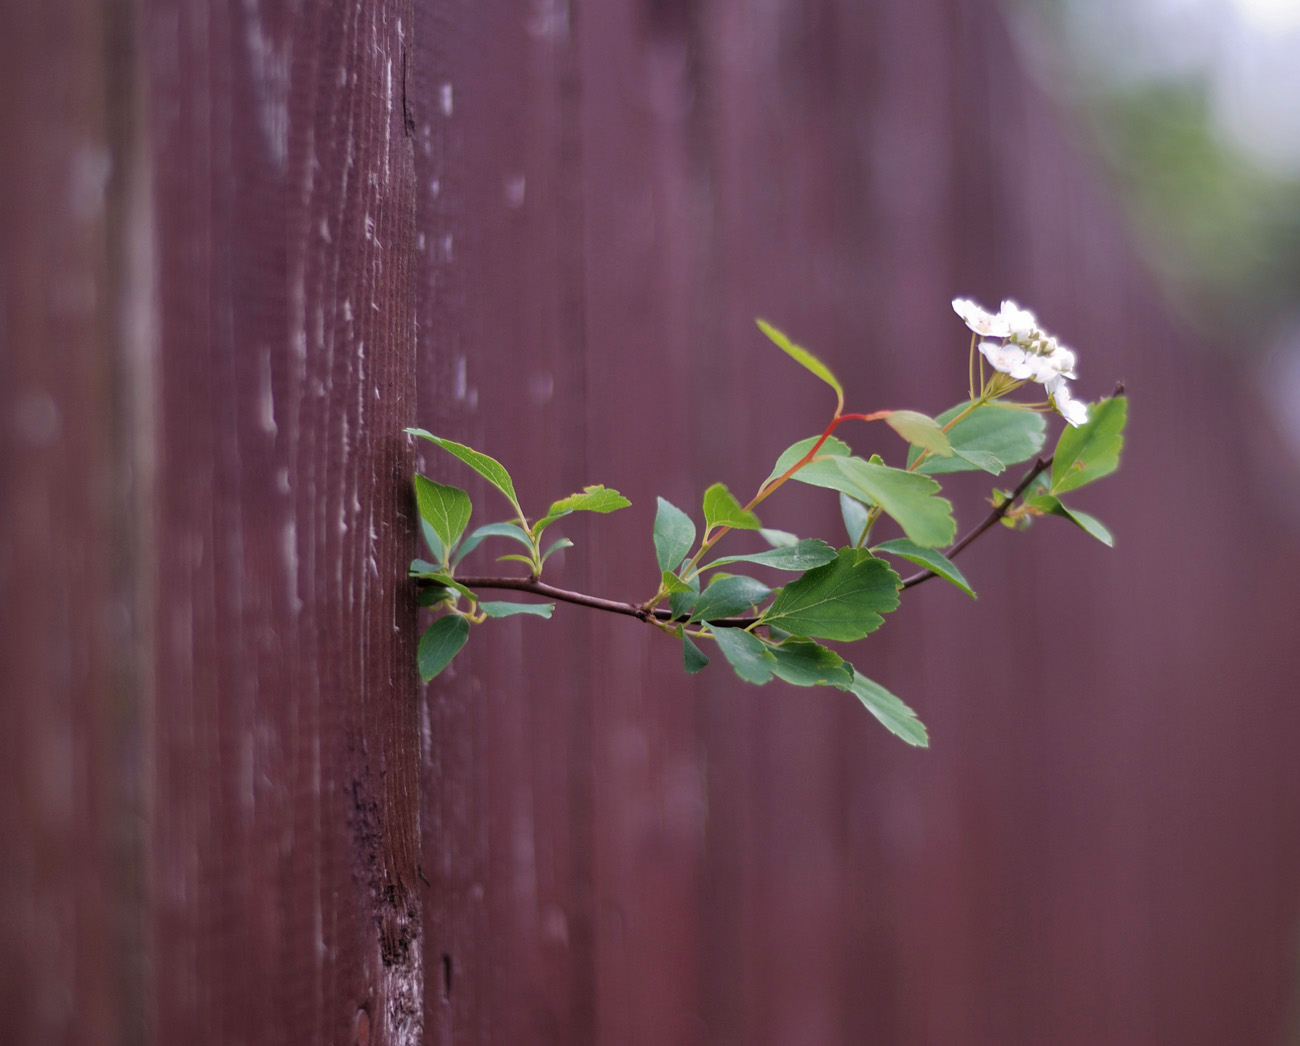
{"x":1020,"y":322}
{"x":1025,"y":352}
{"x":980,"y":320}
{"x":1009,"y":359}
{"x":1071,"y":409}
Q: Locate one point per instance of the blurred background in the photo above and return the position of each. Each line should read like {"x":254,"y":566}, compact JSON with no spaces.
{"x":243,"y":244}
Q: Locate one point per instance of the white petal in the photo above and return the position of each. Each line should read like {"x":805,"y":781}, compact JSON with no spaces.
{"x":1005,"y":358}
{"x":1019,"y":322}
{"x":1044,"y":369}
{"x":979,"y":319}
{"x":1072,"y":410}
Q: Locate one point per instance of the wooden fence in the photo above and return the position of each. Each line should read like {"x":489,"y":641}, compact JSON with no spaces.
{"x":243,"y":244}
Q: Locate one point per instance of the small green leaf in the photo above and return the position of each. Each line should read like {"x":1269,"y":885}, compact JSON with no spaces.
{"x":721,"y":509}
{"x":929,"y":558}
{"x":841,"y":600}
{"x":445,"y":580}
{"x":778,"y":538}
{"x":804,"y":358}
{"x":672,"y":583}
{"x":804,"y":555}
{"x":727,"y":596}
{"x":856,"y":518}
{"x":830,"y":448}
{"x":440,"y":643}
{"x":802,"y":662}
{"x":680,"y":603}
{"x":558,"y":544}
{"x":920,"y":430}
{"x":896,"y":716}
{"x":489,"y":468}
{"x":547,"y":520}
{"x":748,"y":655}
{"x":1053,"y":507}
{"x":596,"y":498}
{"x":423,"y":568}
{"x":512,"y":558}
{"x":432,"y":595}
{"x":495,"y":530}
{"x":507,"y":609}
{"x":446,"y":509}
{"x":674,"y":535}
{"x":693,"y":658}
{"x":989,"y":438}
{"x":906,"y":496}
{"x":1091,"y":450}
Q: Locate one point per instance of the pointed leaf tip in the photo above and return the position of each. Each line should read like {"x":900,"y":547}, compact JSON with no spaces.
{"x":803,"y":357}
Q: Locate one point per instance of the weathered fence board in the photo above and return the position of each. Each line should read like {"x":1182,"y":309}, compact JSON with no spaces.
{"x":214,"y":362}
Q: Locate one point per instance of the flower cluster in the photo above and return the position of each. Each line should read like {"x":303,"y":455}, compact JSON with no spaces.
{"x":1025,"y":352}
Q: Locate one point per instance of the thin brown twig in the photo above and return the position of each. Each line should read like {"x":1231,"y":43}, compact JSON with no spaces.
{"x":614,"y":606}
{"x":1000,"y":510}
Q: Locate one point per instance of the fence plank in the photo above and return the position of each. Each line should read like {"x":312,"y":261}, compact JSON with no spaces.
{"x":767,"y":866}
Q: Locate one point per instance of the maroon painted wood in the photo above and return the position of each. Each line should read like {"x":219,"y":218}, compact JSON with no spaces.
{"x":609,"y":193}
{"x":209,"y":354}
{"x":242,"y":244}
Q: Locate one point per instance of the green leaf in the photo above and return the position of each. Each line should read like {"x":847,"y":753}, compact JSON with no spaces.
{"x":1053,"y":507}
{"x":558,"y":544}
{"x":489,"y":468}
{"x":806,"y":554}
{"x":432,"y":595}
{"x":856,"y":518}
{"x":446,"y":580}
{"x":832,"y":447}
{"x":493,"y":530}
{"x":748,"y":655}
{"x":727,"y":596}
{"x":440,"y":643}
{"x":596,"y":498}
{"x":982,"y":460}
{"x":672,"y":583}
{"x":805,"y":663}
{"x":507,"y":609}
{"x":906,"y":496}
{"x":674,"y":535}
{"x":1087,"y":453}
{"x":693,"y":658}
{"x":803,"y":357}
{"x":423,"y":568}
{"x":896,"y":716}
{"x":841,"y":600}
{"x":436,"y":548}
{"x":989,"y":438}
{"x":446,"y":509}
{"x":778,"y":538}
{"x":679,"y":602}
{"x":929,"y":558}
{"x":920,"y":430}
{"x":721,"y":509}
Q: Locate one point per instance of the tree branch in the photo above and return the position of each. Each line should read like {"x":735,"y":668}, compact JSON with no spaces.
{"x":614,"y":606}
{"x":1040,"y":466}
